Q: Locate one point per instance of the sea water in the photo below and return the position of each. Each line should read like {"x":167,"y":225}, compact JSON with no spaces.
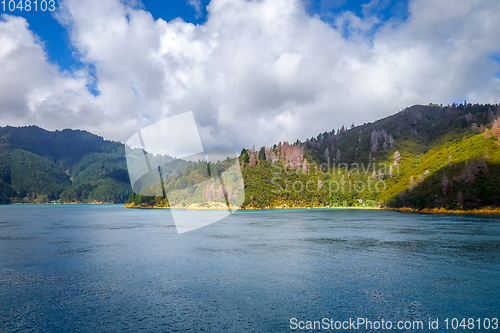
{"x":104,"y":268}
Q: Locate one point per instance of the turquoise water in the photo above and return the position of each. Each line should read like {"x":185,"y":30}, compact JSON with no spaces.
{"x":104,"y":268}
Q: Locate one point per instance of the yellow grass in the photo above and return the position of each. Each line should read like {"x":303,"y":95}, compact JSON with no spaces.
{"x":484,"y":210}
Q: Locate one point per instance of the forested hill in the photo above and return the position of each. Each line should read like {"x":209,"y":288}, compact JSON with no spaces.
{"x":422,"y":157}
{"x":39,"y":166}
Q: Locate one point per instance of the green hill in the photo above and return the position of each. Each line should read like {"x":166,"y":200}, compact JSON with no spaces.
{"x":39,"y":166}
{"x":422,"y":157}
{"x":444,"y":162}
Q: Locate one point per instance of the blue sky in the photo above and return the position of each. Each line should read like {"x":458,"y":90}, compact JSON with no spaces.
{"x":287,"y":69}
{"x":60,"y":51}
{"x":55,"y":36}
{"x":52,"y":34}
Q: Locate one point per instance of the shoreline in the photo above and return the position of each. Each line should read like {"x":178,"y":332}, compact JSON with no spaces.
{"x":482,"y":211}
{"x":219,"y":207}
{"x":407,"y":210}
{"x":64,"y":203}
{"x":442,"y":211}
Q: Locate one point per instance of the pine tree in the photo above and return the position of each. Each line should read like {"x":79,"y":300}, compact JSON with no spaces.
{"x":262,"y":154}
{"x":391,"y":171}
{"x":401,"y":195}
{"x":447,"y":186}
{"x":252,"y":160}
{"x":391,"y":141}
{"x":244,"y":154}
{"x":203,"y":169}
{"x":495,"y":131}
{"x":486,"y":134}
{"x":470,"y":172}
{"x":481,"y":164}
{"x":338,"y":155}
{"x":374,"y":142}
{"x":413,"y":184}
{"x":496,"y":128}
{"x":397,"y":156}
{"x":374,"y":175}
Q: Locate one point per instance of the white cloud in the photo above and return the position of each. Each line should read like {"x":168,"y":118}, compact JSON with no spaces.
{"x":31,"y":88}
{"x":196,"y":4}
{"x":256,"y":72}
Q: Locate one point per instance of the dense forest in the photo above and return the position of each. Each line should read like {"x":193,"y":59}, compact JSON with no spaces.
{"x":421,"y":157}
{"x":39,"y":166}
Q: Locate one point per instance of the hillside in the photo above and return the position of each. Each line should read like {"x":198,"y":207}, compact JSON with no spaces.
{"x":422,"y":157}
{"x":39,"y":166}
{"x":443,"y":157}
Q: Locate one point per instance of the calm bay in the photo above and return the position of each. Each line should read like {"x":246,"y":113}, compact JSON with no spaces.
{"x":104,"y":268}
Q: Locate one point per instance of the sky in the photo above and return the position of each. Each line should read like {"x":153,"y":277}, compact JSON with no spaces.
{"x":253,"y":72}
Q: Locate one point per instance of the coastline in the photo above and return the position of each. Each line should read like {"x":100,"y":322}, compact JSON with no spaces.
{"x":482,"y":211}
{"x":219,"y":206}
{"x":64,"y":203}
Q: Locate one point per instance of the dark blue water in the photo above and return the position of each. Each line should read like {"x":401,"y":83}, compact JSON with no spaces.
{"x":104,"y":268}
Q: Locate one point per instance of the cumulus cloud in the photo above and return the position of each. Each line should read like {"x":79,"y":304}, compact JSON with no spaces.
{"x":196,"y":4}
{"x":30,"y":87}
{"x":256,"y":72}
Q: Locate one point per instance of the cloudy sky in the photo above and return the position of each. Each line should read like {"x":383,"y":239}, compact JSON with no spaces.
{"x":251,"y":71}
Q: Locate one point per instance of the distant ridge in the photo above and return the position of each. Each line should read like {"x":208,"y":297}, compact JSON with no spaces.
{"x":423,"y":157}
